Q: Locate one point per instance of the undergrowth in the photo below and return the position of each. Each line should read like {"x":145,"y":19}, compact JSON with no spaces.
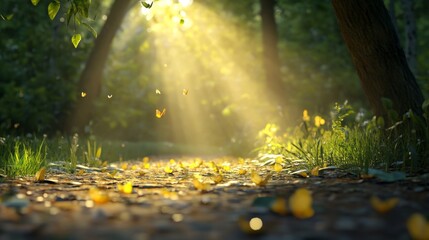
{"x":349,"y":142}
{"x":22,"y":158}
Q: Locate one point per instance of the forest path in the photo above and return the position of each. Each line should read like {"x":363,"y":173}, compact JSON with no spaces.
{"x":161,"y":205}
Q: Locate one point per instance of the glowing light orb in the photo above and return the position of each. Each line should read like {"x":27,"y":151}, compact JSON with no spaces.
{"x":256,"y":224}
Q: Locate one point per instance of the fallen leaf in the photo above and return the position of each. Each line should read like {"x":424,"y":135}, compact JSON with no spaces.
{"x":279,"y":206}
{"x":200,"y":185}
{"x":158,"y":92}
{"x":168,"y":169}
{"x":40,"y":175}
{"x":83,"y":94}
{"x":300,"y":203}
{"x":383,"y":206}
{"x":315,"y":171}
{"x":258,"y":180}
{"x":127,"y":188}
{"x":418,"y":227}
{"x":387,"y":176}
{"x":278,"y":167}
{"x":98,"y":196}
{"x":241,"y":172}
{"x":218,"y":178}
{"x":185,"y":92}
{"x":214,"y":167}
{"x":300,"y":173}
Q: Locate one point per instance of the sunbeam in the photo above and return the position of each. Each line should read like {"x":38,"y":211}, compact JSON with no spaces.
{"x":215,"y":60}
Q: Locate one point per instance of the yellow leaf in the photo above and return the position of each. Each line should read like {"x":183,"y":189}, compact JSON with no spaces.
{"x":301,"y":203}
{"x":214,"y":167}
{"x":158,"y":92}
{"x":126,"y":188}
{"x":278,"y":167}
{"x":279,"y":160}
{"x":226,"y":166}
{"x":172,"y":161}
{"x":171,"y":195}
{"x":315,"y":171}
{"x":383,"y":206}
{"x":83,"y":94}
{"x":418,"y":227}
{"x":98,"y":196}
{"x":279,"y":206}
{"x":124,"y":166}
{"x":146,"y":159}
{"x":40,"y":175}
{"x":218,"y":178}
{"x":168,"y":169}
{"x":242,"y":171}
{"x":185,"y":91}
{"x":159,"y":113}
{"x":197,"y":163}
{"x":200,"y":185}
{"x":109,"y":96}
{"x":258,"y":180}
{"x":303,"y":174}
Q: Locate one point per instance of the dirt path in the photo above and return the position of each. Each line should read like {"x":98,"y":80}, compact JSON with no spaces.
{"x":168,"y":206}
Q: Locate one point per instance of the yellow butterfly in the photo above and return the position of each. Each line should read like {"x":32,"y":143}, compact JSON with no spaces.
{"x":159,"y":114}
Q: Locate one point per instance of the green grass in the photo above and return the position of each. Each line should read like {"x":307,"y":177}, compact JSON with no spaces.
{"x":22,"y":158}
{"x":356,"y":146}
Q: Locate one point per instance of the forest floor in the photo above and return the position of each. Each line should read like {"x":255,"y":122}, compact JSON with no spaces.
{"x":164,"y":205}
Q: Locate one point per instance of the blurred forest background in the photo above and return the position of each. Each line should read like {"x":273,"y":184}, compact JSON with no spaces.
{"x":201,"y":60}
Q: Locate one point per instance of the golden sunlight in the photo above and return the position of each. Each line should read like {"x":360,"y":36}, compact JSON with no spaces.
{"x":200,"y":63}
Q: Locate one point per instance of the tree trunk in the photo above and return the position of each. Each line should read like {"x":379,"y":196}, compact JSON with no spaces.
{"x":271,"y":58}
{"x":377,"y":55}
{"x":392,"y":13}
{"x":410,"y":34}
{"x":91,"y":77}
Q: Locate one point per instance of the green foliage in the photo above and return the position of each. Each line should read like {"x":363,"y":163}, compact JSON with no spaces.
{"x":53,"y":9}
{"x":35,"y":2}
{"x":92,"y":154}
{"x":76,"y":39}
{"x":21,"y":157}
{"x":355,"y":145}
{"x":146,"y":5}
{"x":39,"y":70}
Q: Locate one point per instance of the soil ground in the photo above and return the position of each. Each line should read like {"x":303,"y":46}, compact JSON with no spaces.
{"x":168,"y":206}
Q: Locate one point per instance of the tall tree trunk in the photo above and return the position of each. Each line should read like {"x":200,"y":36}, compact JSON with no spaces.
{"x":392,"y":13}
{"x":270,"y":41}
{"x":377,"y":55}
{"x":91,"y":77}
{"x":410,"y":34}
